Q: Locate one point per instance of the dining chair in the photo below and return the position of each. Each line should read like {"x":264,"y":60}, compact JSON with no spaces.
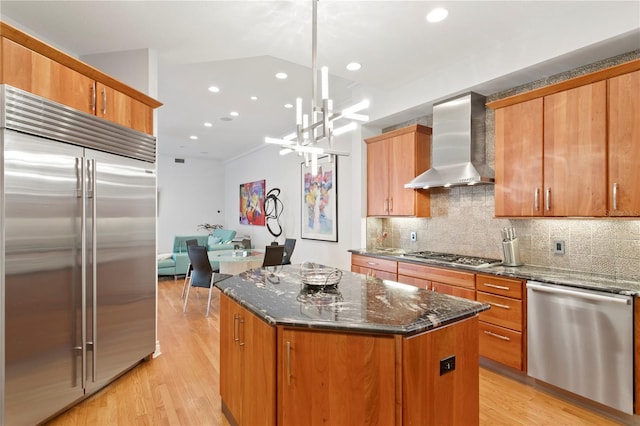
{"x":289,"y":245}
{"x":202,"y":274}
{"x":188,"y":243}
{"x":273,"y":255}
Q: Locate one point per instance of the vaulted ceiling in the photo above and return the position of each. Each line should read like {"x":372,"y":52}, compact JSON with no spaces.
{"x":407,"y":63}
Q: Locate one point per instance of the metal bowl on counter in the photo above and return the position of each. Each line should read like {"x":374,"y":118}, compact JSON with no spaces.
{"x":316,"y":275}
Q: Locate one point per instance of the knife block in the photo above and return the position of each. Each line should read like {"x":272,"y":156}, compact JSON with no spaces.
{"x":511,"y":251}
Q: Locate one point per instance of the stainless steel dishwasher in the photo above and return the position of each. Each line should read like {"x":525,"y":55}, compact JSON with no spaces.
{"x":582,"y":341}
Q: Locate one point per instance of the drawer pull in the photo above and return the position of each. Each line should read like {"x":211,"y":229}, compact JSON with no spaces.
{"x":498,"y":305}
{"x":372,"y":263}
{"x":497,"y":335}
{"x":499,"y":287}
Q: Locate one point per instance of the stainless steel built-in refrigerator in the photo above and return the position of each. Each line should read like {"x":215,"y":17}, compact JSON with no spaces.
{"x":78,"y":268}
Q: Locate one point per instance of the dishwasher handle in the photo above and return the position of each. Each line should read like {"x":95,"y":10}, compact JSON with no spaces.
{"x":581,"y":294}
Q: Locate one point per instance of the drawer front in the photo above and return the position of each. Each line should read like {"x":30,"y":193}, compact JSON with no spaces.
{"x":453,"y":290}
{"x":498,"y":285}
{"x":441,"y":275}
{"x":416,"y":282}
{"x":504,"y":311}
{"x":501,"y":345}
{"x":375,"y":263}
{"x":383,"y":275}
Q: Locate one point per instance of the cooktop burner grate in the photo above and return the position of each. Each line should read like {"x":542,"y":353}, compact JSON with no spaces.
{"x":454,"y":259}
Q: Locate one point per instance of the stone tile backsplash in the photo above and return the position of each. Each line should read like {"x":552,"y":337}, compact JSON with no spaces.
{"x":462,"y":221}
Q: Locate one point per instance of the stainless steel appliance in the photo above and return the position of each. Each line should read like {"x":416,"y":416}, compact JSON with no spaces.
{"x":458,"y":145}
{"x":582,"y":341}
{"x":77,"y":251}
{"x":453,"y":259}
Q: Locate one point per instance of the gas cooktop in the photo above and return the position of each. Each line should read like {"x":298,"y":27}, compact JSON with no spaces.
{"x":454,"y":259}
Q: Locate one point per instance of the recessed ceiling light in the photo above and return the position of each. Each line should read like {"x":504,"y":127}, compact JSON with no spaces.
{"x":281,"y":76}
{"x":438,"y":14}
{"x":254,"y":98}
{"x":193,"y":137}
{"x":234,"y":114}
{"x":208,"y":124}
{"x":214,"y":89}
{"x":354,"y":66}
{"x":288,"y":105}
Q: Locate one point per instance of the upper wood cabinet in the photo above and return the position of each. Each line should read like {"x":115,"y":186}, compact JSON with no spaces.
{"x":394,"y":159}
{"x":37,"y":74}
{"x":624,"y":145}
{"x":518,"y":163}
{"x":575,"y":149}
{"x":33,"y":66}
{"x":573,"y":152}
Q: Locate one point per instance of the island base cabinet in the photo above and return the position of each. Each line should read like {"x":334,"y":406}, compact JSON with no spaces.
{"x":247,"y":366}
{"x":335,"y":378}
{"x":432,"y":396}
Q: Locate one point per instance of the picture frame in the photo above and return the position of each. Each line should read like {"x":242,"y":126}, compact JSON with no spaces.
{"x":319,"y":200}
{"x":251,"y":203}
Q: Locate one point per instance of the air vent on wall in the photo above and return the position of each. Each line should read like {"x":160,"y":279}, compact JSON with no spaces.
{"x":179,"y":160}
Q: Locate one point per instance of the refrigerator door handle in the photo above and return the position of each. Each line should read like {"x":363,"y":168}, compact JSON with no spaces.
{"x":94,"y":266}
{"x":83,"y":268}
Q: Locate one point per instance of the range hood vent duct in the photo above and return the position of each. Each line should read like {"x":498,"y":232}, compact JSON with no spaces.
{"x":458,"y":155}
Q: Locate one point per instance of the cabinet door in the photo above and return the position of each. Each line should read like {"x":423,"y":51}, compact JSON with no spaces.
{"x":574,"y":152}
{"x":230,"y":357}
{"x":518,"y":139}
{"x":37,"y":74}
{"x":453,"y":290}
{"x":353,"y":383}
{"x":624,"y":145}
{"x":377,"y":180}
{"x":402,"y":168}
{"x":247,"y":365}
{"x":119,"y":108}
{"x":258,"y":343}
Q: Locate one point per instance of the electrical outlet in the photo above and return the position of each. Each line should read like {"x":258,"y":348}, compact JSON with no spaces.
{"x":447,"y":365}
{"x":558,"y":247}
{"x":414,"y":236}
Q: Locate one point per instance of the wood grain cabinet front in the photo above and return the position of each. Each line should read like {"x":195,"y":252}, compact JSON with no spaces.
{"x":394,"y":159}
{"x":443,"y":280}
{"x":248,"y":365}
{"x":571,"y":149}
{"x":336,"y":378}
{"x":624,"y":145}
{"x":374,"y":267}
{"x":35,"y":67}
{"x":503,"y":327}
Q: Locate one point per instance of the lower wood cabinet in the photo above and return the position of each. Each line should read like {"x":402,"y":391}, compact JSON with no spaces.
{"x":442,"y":280}
{"x":314,"y":377}
{"x":503,"y":327}
{"x":247,"y":360}
{"x":335,"y":379}
{"x":374,"y":267}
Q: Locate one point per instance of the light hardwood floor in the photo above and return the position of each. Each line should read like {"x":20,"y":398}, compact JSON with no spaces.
{"x":180,"y":387}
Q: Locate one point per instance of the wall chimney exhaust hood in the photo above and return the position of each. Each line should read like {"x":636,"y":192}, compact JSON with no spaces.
{"x":458,"y":154}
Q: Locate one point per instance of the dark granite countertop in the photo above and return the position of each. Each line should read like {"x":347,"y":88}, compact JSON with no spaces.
{"x":605,"y":283}
{"x":357,"y":304}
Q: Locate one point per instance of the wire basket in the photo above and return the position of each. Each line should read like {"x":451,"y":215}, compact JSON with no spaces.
{"x":313,"y":274}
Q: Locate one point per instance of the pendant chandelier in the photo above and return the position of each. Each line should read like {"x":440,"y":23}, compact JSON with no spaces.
{"x":304,"y":140}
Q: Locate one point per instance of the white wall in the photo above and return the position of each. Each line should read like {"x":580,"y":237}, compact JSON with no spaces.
{"x":188,"y":194}
{"x":284,"y":172}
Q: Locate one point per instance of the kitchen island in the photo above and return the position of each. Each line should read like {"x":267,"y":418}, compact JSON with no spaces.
{"x":365,"y":351}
